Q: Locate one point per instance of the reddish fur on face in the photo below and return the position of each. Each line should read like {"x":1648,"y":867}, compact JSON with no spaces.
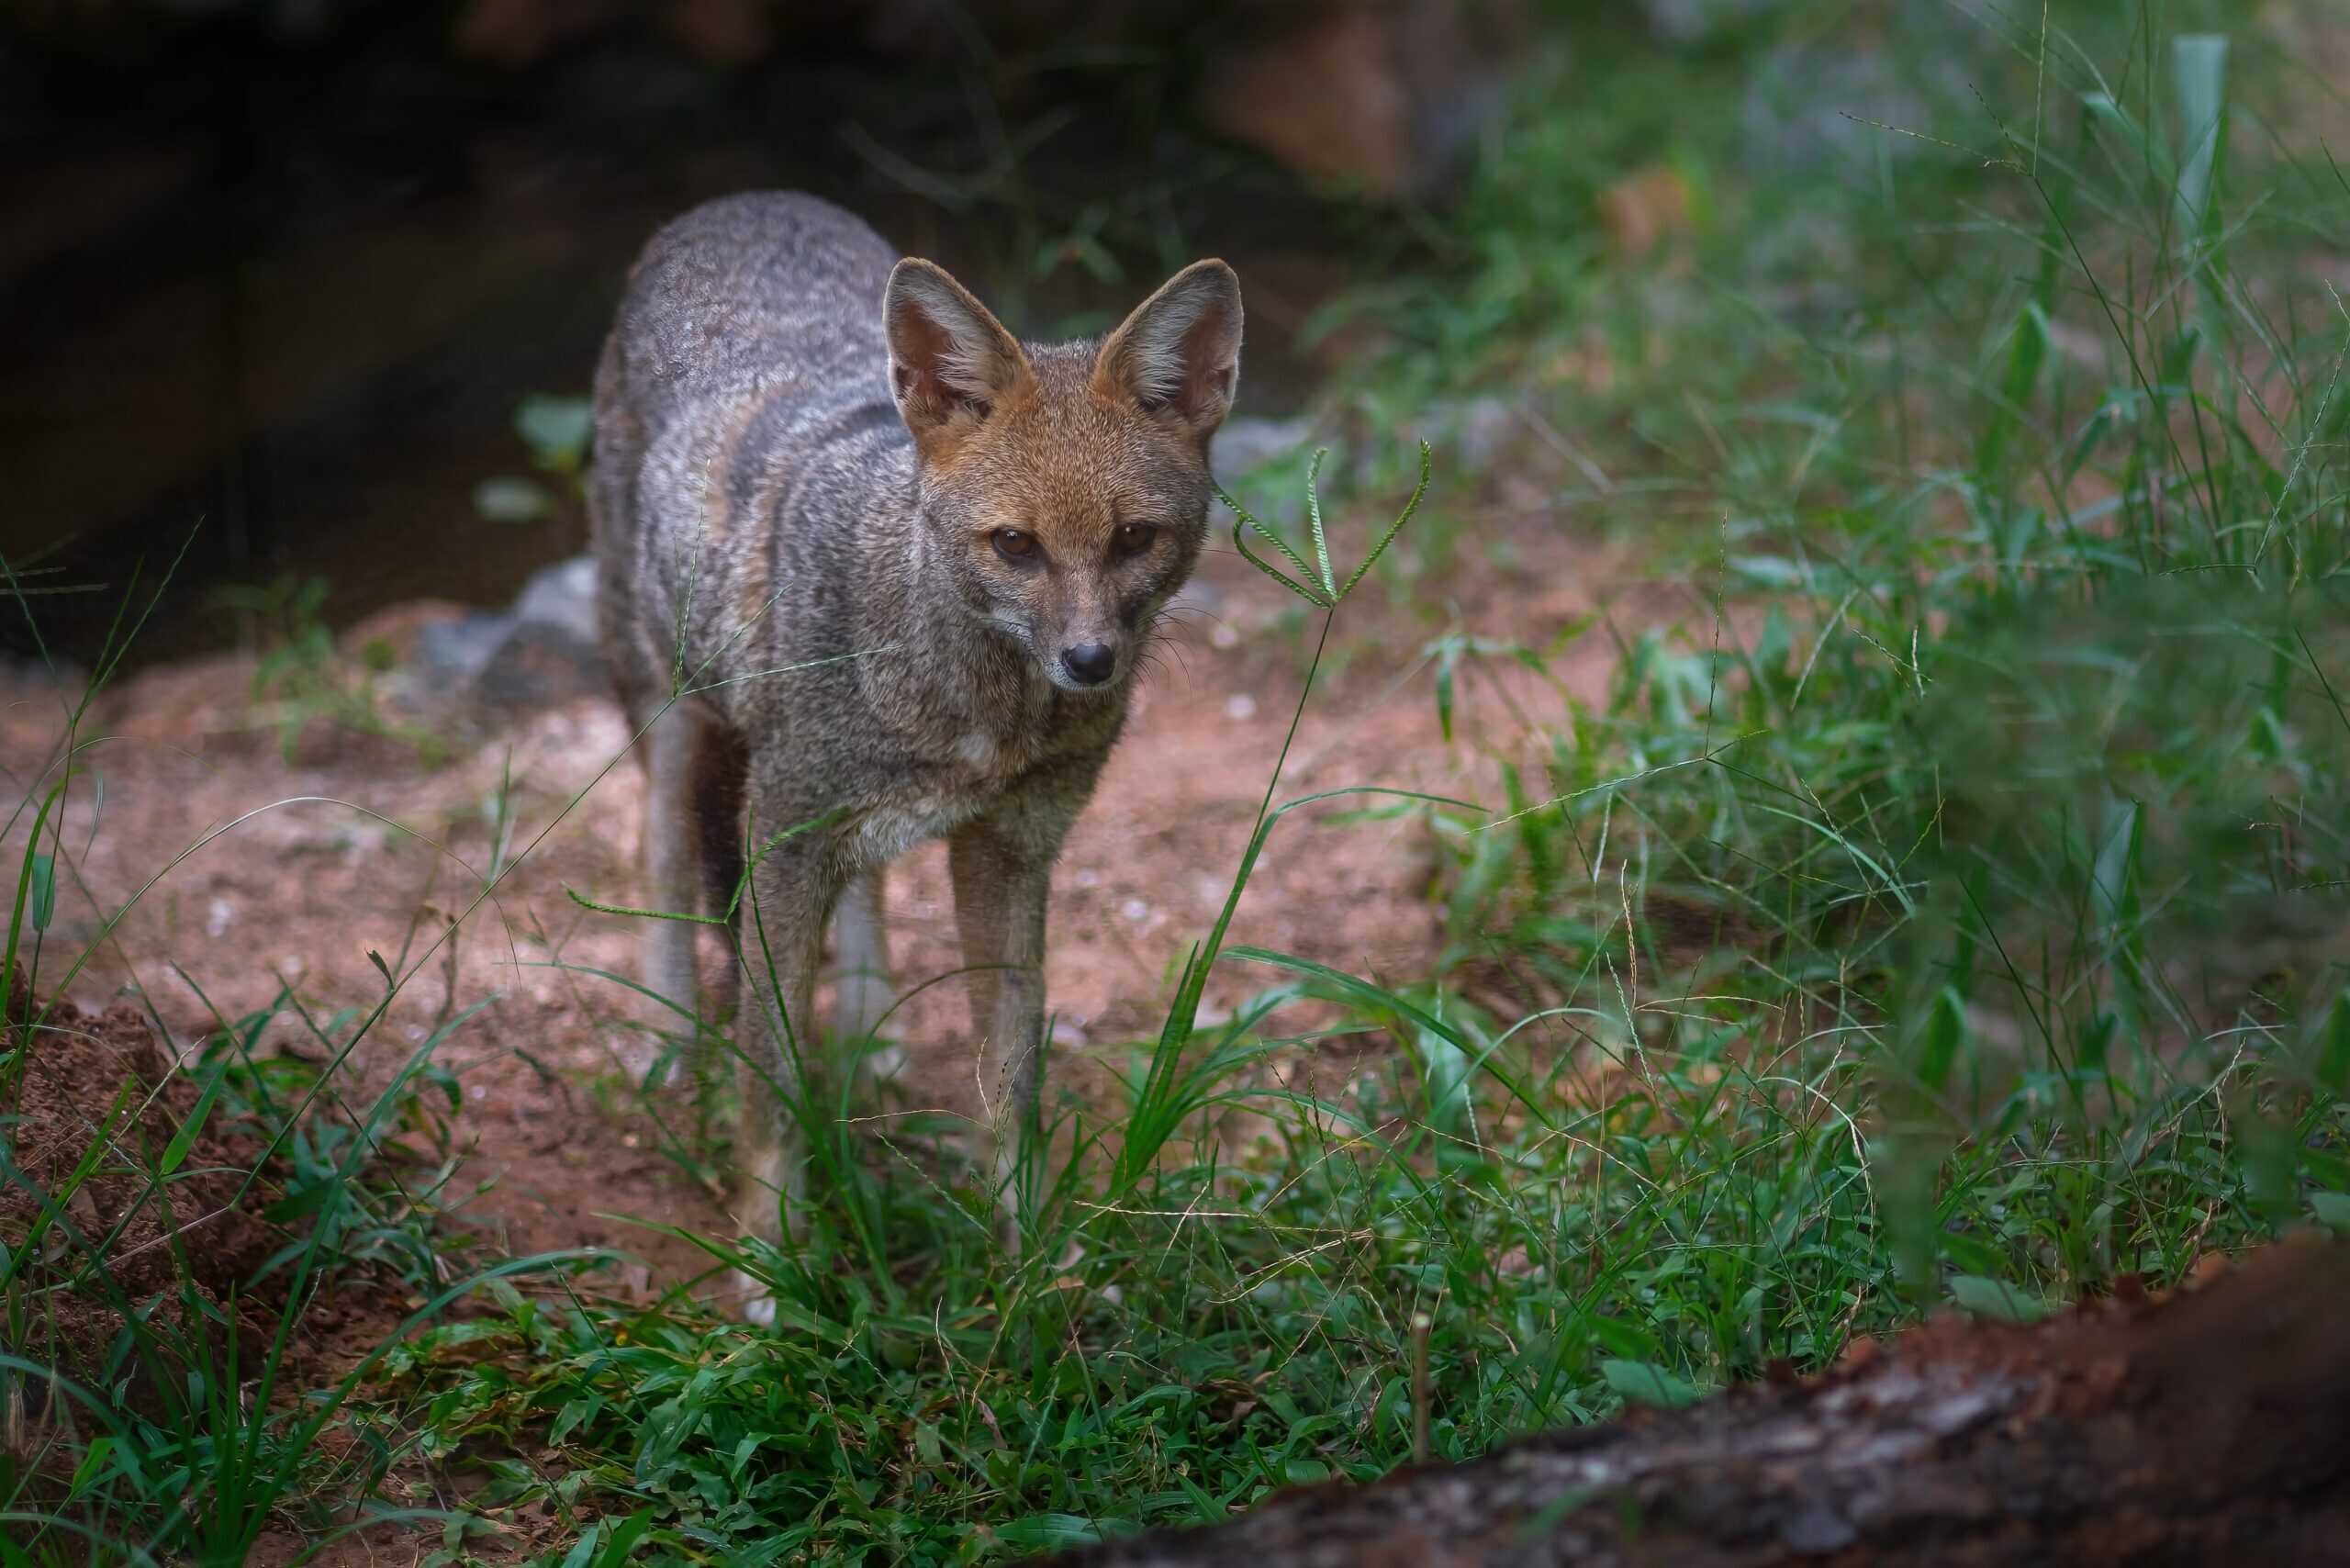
{"x":1059,"y":446}
{"x":1063,"y":463}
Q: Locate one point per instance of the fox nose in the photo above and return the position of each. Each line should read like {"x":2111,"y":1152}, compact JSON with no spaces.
{"x":1089,"y":664}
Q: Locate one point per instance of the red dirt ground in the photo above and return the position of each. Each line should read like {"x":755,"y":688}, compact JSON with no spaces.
{"x":86,"y":1078}
{"x":266,"y":873}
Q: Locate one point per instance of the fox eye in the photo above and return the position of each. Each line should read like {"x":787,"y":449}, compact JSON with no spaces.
{"x":1130,"y":540}
{"x":1015,"y":546}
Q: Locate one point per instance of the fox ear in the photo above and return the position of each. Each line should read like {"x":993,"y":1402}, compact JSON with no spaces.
{"x":1179,"y":354}
{"x":951,"y":362}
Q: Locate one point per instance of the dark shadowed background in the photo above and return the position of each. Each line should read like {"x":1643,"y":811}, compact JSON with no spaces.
{"x":275,"y":275}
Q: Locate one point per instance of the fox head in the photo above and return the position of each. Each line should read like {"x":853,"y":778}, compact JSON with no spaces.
{"x":1066,"y":484}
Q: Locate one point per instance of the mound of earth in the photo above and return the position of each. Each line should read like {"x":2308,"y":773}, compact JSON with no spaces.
{"x":93,"y":1105}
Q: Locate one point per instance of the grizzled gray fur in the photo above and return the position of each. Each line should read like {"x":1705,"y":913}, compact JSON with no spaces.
{"x":870,"y":563}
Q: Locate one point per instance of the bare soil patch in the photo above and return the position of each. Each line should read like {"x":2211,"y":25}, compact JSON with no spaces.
{"x":96,"y":1109}
{"x":270,"y":874}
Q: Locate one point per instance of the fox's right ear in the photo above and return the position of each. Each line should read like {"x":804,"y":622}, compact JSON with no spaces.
{"x":951,"y":362}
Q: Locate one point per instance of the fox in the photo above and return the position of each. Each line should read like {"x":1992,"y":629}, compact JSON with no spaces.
{"x":874,"y":572}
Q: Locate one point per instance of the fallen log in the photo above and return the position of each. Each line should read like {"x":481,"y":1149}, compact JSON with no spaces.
{"x":2209,"y":1426}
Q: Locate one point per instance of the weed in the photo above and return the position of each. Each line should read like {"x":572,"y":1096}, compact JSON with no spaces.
{"x":302,"y":676}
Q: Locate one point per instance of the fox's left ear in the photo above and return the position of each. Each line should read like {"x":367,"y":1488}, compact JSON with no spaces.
{"x":1179,"y":354}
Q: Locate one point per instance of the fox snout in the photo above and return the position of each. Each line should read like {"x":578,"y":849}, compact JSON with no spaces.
{"x":1086,"y":634}
{"x":1089,"y":664}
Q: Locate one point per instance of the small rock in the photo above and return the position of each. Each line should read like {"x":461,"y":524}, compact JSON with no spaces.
{"x":450,"y":654}
{"x":540,"y":663}
{"x":563,"y":595}
{"x":1135,"y":910}
{"x":549,"y":652}
{"x":545,"y":650}
{"x":1241,"y":706}
{"x":216,"y":917}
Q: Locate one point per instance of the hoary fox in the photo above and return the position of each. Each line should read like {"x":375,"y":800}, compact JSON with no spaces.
{"x":874,"y":572}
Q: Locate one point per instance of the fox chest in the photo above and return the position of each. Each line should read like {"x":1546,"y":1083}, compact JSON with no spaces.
{"x":883,"y":833}
{"x":978,"y":773}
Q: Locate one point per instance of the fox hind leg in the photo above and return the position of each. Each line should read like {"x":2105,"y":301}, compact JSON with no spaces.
{"x":693,"y":802}
{"x":720,"y":780}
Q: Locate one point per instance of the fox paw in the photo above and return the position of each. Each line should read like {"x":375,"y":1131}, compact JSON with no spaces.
{"x":754,"y":1302}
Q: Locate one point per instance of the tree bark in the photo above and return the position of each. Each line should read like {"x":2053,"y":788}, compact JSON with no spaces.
{"x":2210,"y":1427}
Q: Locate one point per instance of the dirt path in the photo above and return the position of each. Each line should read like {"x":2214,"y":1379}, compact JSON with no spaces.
{"x":293,"y":873}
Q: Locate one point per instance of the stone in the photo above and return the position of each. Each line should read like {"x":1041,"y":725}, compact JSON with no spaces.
{"x":542,"y":651}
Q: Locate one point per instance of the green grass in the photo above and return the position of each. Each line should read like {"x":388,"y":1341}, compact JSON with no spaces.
{"x":1950,"y":907}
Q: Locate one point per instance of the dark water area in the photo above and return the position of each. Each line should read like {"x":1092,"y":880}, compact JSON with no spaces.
{"x":274,"y":304}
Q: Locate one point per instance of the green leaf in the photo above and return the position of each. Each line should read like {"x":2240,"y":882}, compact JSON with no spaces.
{"x":574,"y":1412}
{"x":1445,"y":1072}
{"x":1998,"y":1300}
{"x":2027,"y":352}
{"x":2146,"y":151}
{"x":584,"y":901}
{"x":1970,"y":1253}
{"x":1645,"y":1382}
{"x":2200,"y":69}
{"x":511,"y":499}
{"x":2334,"y":1054}
{"x":92,"y":1462}
{"x":307,"y":1199}
{"x":1623,"y":1336}
{"x":1770,"y":571}
{"x":1444,"y":663}
{"x":556,"y":430}
{"x":1313,"y":524}
{"x":1047,"y":1532}
{"x":1945,"y":1031}
{"x":1394,"y":527}
{"x":624,"y":1538}
{"x":2332,"y":1211}
{"x":583,"y":1550}
{"x":44,"y":891}
{"x":1317,"y":586}
{"x":184,"y":1139}
{"x":2178,"y":356}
